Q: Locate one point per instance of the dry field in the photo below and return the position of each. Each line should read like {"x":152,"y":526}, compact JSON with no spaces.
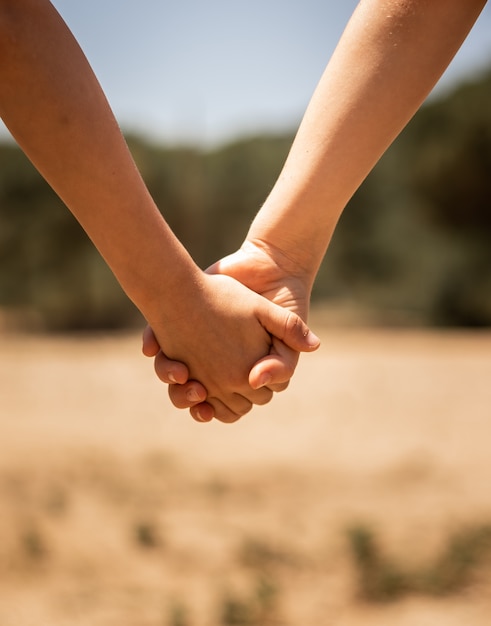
{"x":359,"y":497}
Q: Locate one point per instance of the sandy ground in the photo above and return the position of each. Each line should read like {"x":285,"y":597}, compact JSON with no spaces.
{"x":118,"y":510}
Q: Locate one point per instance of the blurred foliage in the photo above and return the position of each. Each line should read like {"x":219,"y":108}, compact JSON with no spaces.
{"x":258,"y":608}
{"x":416,"y":237}
{"x":383,"y":580}
{"x":50,"y":274}
{"x":413,"y":245}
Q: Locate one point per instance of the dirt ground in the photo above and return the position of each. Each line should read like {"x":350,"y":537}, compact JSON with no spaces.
{"x":118,"y":510}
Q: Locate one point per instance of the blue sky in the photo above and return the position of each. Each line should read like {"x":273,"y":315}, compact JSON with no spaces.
{"x":208,"y":71}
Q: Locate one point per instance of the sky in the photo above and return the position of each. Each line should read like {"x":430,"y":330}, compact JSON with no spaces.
{"x":208,"y":71}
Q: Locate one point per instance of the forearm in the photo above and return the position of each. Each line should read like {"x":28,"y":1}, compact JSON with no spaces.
{"x":54,"y":107}
{"x":389,"y":58}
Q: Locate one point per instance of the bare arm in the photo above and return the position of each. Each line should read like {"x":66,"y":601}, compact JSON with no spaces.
{"x":54,"y":107}
{"x":388,"y":59}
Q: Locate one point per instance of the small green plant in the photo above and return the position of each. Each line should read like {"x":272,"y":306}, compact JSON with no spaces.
{"x":178,"y":615}
{"x":455,"y":568}
{"x":34,"y":544}
{"x":237,"y":611}
{"x":147,"y":535}
{"x":378,"y":579}
{"x":260,"y":608}
{"x":382,"y":580}
{"x":267,"y":600}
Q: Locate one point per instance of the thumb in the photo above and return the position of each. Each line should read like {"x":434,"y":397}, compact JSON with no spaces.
{"x":275,"y":369}
{"x":150,"y":345}
{"x":237,"y":265}
{"x":288,"y":327}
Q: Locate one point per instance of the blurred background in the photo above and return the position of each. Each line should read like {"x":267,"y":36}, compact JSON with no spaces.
{"x":209,"y":97}
{"x":360,"y":496}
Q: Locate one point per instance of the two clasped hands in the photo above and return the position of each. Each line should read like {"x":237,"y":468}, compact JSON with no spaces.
{"x":390,"y":56}
{"x":238,"y":327}
{"x":228,"y":338}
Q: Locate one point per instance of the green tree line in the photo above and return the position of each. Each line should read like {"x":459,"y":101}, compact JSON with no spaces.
{"x":413,"y":245}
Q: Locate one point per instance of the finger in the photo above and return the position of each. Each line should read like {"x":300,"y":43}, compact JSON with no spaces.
{"x":215,"y":408}
{"x":265,"y":397}
{"x":170,"y":372}
{"x":287,"y":326}
{"x":225,"y":414}
{"x":187,"y":395}
{"x":278,"y":387}
{"x":233,"y":406}
{"x":202,"y":412}
{"x":150,"y":346}
{"x":225,"y":264}
{"x":274,"y":370}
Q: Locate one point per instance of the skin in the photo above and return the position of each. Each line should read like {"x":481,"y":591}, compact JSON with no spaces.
{"x":276,"y":280}
{"x":388,"y":59}
{"x":56,"y":110}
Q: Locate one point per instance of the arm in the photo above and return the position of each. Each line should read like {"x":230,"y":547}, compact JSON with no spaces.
{"x":389,"y":58}
{"x":54,"y":107}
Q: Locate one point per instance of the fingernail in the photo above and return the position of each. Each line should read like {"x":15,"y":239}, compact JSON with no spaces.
{"x":264,"y":380}
{"x":171,"y":378}
{"x":193,"y":396}
{"x":199,"y":418}
{"x":311,"y":339}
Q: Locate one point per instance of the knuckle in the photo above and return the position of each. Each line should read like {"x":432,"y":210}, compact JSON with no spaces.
{"x":160,"y":369}
{"x":265,"y":397}
{"x":278,"y":387}
{"x":178,"y":397}
{"x":228,"y":419}
{"x":293,"y":324}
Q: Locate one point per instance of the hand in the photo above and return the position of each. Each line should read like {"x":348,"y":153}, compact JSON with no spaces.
{"x":220,"y":343}
{"x":271,"y":274}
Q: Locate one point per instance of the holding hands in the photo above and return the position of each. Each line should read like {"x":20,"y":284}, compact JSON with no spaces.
{"x":217,"y":326}
{"x":278,"y":297}
{"x":238,"y":327}
{"x":380,"y":73}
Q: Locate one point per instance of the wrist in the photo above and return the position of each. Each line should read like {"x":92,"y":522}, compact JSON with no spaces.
{"x":290,"y":245}
{"x":276,"y":276}
{"x":168,"y":288}
{"x":152,"y":266}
